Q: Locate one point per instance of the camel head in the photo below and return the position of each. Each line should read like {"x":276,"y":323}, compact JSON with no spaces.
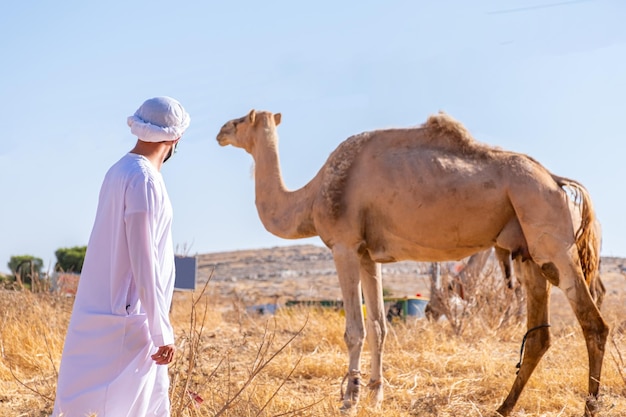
{"x":244,"y":131}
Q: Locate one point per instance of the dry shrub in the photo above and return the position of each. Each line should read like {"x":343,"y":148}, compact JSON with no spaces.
{"x":479,"y":301}
{"x":218,"y":384}
{"x":31,"y":341}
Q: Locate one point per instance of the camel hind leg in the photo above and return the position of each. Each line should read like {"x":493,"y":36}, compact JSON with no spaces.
{"x":549,"y":233}
{"x":565,"y":272}
{"x":537,"y":339}
{"x":504,"y":260}
{"x":595,"y":331}
{"x":598,"y":290}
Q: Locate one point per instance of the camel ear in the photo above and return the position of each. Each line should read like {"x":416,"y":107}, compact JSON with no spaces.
{"x":277,"y":118}
{"x":252,"y":116}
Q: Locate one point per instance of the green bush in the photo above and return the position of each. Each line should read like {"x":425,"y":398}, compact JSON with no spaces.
{"x":70,"y":259}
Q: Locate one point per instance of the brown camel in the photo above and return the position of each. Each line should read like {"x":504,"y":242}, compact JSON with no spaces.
{"x":428,"y":193}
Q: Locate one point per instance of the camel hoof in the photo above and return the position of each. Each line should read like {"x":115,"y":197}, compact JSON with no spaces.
{"x":375,"y":394}
{"x":592,"y":406}
{"x":353,"y":390}
{"x":348,"y":408}
{"x":501,"y":412}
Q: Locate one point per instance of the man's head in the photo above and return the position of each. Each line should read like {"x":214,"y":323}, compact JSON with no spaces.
{"x":159,"y":119}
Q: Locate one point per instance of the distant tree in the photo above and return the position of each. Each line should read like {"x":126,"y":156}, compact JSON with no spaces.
{"x":25,"y":268}
{"x":70,"y":259}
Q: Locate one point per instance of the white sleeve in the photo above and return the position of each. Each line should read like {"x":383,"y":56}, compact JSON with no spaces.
{"x":144,"y":260}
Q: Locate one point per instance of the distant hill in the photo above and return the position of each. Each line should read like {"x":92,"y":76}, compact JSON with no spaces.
{"x":308,"y":272}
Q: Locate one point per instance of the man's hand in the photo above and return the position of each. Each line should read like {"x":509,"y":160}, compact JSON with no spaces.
{"x":164,"y":355}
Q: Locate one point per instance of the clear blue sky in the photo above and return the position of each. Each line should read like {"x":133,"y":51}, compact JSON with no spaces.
{"x":542,"y":77}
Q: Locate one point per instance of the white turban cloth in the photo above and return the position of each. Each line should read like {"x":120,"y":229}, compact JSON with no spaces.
{"x":159,"y":119}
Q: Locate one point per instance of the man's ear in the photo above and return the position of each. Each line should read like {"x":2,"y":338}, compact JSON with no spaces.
{"x":277,"y":118}
{"x":252,"y":116}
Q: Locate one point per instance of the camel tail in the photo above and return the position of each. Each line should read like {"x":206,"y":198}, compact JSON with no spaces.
{"x":587,"y":236}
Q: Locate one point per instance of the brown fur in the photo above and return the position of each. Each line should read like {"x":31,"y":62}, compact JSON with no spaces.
{"x":445,"y":130}
{"x":337,"y":171}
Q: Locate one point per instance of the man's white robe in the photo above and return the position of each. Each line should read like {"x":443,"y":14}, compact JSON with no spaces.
{"x":121,"y":311}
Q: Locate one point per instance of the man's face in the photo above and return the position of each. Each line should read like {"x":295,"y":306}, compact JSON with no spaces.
{"x":171,"y":152}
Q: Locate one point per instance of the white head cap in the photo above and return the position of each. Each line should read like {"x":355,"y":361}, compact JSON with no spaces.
{"x":159,"y":119}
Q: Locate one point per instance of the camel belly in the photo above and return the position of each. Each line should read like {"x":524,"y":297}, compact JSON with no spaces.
{"x":434,"y":211}
{"x":424,"y":237}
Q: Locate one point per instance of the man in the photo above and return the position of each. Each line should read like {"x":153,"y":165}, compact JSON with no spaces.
{"x":120,"y":340}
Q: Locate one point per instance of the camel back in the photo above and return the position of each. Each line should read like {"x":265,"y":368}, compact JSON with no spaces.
{"x":444,"y":132}
{"x":440,"y":131}
{"x":587,"y":239}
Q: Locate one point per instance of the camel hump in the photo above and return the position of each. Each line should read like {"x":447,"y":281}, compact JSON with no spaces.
{"x":440,"y":131}
{"x":443,"y":127}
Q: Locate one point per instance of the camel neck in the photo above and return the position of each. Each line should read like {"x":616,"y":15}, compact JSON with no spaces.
{"x":283,"y":212}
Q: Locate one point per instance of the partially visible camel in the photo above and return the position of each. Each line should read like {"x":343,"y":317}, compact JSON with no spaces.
{"x":428,"y":193}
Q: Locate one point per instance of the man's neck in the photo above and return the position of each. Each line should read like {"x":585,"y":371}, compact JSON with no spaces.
{"x":153,"y":151}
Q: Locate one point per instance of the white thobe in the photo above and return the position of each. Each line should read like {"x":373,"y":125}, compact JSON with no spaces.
{"x":121,"y":311}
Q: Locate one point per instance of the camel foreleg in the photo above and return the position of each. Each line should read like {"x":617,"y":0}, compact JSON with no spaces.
{"x":348,"y":266}
{"x":371,"y":280}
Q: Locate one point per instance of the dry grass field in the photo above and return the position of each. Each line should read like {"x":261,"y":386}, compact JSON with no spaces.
{"x":235,"y":363}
